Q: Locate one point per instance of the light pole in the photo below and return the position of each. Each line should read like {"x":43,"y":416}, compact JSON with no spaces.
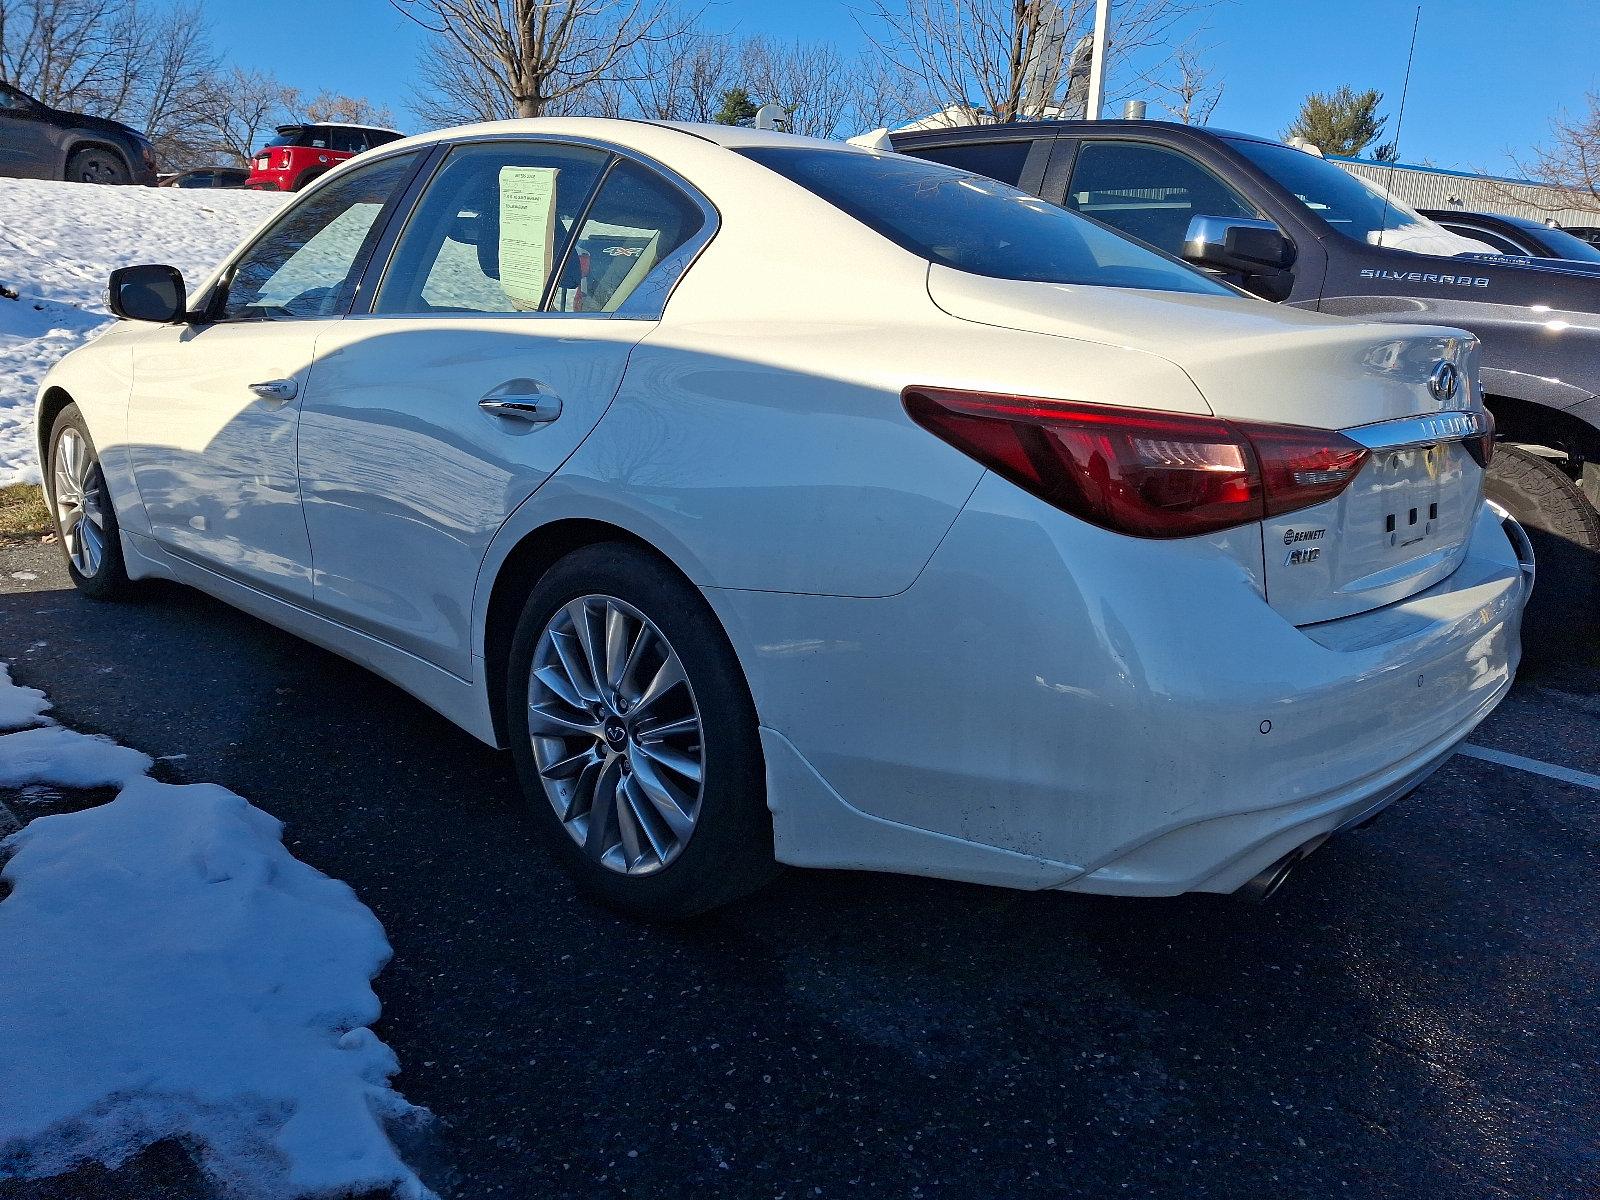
{"x":1097,"y":61}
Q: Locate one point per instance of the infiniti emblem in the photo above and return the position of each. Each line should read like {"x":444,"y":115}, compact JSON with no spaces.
{"x":1444,"y":381}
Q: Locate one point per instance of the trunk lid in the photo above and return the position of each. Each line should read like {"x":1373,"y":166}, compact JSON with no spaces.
{"x":1402,"y":524}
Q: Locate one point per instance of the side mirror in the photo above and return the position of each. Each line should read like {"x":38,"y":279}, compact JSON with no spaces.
{"x":1255,"y":250}
{"x":148,"y":293}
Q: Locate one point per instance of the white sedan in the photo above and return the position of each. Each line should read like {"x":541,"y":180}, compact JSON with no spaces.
{"x":778,"y":501}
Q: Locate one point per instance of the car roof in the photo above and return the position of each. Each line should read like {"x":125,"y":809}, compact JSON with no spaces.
{"x":1040,"y":128}
{"x":645,"y":137}
{"x":337,"y":125}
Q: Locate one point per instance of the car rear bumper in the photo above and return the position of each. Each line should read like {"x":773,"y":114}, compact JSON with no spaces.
{"x":1051,"y":705}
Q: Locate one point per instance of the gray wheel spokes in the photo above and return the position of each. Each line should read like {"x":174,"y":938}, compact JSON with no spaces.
{"x":94,"y":545}
{"x":622,"y":765}
{"x":668,"y":676}
{"x":664,"y":799}
{"x":80,"y":511}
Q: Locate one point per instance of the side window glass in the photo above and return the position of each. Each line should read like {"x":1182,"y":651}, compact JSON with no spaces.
{"x":308,"y":262}
{"x":636,"y":221}
{"x":346,"y":141}
{"x":490,"y":229}
{"x":1503,"y":244}
{"x":998,"y":160}
{"x":1148,"y":192}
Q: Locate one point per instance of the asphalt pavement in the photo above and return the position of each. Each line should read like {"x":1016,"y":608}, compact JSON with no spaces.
{"x":1415,"y":1014}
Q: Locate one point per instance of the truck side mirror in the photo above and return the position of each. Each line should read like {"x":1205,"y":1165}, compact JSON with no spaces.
{"x":1256,"y":251}
{"x":148,"y":293}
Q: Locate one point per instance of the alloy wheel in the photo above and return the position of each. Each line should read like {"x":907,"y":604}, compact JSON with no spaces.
{"x":616,"y":733}
{"x":80,"y":502}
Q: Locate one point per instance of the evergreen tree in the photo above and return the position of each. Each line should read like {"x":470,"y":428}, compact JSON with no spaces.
{"x":737,"y":108}
{"x":1342,"y":122}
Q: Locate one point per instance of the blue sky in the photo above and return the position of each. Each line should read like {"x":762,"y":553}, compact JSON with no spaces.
{"x":1488,"y":76}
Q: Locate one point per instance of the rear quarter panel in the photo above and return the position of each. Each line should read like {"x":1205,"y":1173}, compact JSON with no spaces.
{"x":779,"y":457}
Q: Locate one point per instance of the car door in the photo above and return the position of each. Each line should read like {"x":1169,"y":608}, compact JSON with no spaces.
{"x":29,"y":144}
{"x":498,"y":335}
{"x":213,"y":411}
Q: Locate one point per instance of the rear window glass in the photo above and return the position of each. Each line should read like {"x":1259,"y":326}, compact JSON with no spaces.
{"x":972,"y":223}
{"x":998,"y":160}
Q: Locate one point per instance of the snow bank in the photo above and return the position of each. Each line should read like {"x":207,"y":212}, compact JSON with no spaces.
{"x":170,"y":970}
{"x":59,"y":242}
{"x":20,"y":706}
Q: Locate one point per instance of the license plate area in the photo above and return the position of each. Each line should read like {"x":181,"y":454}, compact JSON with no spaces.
{"x":1400,"y":526}
{"x":1410,"y":485}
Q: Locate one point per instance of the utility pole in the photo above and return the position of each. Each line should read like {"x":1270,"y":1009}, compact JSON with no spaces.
{"x":1097,"y":61}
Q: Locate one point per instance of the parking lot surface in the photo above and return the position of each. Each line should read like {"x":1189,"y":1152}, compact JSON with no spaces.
{"x":1414,"y":1015}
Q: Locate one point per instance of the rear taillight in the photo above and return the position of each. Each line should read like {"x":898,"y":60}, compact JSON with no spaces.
{"x":1147,"y":473}
{"x":1481,"y":446}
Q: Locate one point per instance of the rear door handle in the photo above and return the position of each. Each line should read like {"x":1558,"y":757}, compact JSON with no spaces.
{"x":276,"y":390}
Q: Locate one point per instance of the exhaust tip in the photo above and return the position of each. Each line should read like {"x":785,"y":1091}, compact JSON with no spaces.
{"x":1265,"y":885}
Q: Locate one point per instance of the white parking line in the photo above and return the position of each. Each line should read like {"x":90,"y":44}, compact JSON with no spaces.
{"x":1516,"y":761}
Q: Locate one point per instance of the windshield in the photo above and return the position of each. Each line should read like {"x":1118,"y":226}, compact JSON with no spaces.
{"x":971,"y":223}
{"x":1351,"y":205}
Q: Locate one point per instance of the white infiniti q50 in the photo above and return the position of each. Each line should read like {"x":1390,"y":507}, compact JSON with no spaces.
{"x":780,"y":501}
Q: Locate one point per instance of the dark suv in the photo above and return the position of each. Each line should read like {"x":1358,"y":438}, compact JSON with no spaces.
{"x":40,"y":142}
{"x":1292,"y":227}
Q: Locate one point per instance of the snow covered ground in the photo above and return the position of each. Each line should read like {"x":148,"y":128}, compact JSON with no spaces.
{"x":170,"y":970}
{"x":59,"y":242}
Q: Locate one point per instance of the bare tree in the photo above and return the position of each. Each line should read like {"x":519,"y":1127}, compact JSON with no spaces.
{"x":543,"y":53}
{"x":677,"y":77}
{"x":123,"y":59}
{"x":233,"y":111}
{"x":456,"y":89}
{"x":177,"y":68}
{"x":975,"y":54}
{"x":346,"y":110}
{"x":811,"y":81}
{"x":1570,"y":161}
{"x":1190,"y":94}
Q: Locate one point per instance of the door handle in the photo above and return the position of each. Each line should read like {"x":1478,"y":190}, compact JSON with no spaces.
{"x":276,"y":390}
{"x":534,"y":408}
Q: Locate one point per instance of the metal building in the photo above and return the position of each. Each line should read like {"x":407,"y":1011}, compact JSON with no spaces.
{"x":1433,"y":187}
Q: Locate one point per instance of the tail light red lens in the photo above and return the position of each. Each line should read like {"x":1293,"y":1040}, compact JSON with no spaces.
{"x":1137,"y":471}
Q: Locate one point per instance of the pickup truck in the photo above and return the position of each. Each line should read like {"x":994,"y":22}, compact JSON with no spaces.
{"x":1290,"y":226}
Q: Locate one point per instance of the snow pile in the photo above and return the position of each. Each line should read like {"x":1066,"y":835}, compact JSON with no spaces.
{"x":170,"y":970}
{"x":20,"y":706}
{"x":58,"y":244}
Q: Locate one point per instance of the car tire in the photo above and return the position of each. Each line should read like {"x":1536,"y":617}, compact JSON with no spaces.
{"x":96,"y":165}
{"x":699,"y":844}
{"x":80,"y":502}
{"x":306,"y":178}
{"x":1565,"y":531}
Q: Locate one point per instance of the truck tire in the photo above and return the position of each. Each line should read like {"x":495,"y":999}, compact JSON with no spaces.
{"x":1563,"y":618}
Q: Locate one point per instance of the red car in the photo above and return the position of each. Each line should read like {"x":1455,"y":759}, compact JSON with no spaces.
{"x":300,"y":153}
